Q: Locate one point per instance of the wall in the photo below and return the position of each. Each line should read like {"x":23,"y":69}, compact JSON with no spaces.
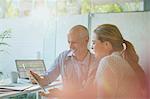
{"x":26,"y":41}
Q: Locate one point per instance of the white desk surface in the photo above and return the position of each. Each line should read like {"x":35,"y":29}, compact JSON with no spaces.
{"x":33,"y":88}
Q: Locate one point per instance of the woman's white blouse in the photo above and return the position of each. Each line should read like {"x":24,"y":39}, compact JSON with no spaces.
{"x":115,"y":78}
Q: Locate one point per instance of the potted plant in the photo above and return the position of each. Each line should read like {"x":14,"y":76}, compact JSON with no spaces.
{"x":3,"y":36}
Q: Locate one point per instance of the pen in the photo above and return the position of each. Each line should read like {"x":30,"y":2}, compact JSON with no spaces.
{"x":24,"y":68}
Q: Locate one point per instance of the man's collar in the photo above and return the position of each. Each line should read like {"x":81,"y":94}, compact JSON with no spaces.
{"x":70,"y":54}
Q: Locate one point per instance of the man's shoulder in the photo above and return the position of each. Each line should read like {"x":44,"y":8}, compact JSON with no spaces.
{"x":64,"y":54}
{"x":93,"y":58}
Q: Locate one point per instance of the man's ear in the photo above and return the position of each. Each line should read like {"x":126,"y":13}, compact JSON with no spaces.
{"x":87,"y":39}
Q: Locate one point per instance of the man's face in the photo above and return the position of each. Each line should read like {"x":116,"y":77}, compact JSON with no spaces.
{"x":76,"y":43}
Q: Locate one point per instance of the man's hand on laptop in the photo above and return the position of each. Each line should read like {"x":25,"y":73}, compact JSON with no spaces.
{"x":37,"y":79}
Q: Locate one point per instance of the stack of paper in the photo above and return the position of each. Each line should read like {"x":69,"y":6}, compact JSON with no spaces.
{"x":15,"y":87}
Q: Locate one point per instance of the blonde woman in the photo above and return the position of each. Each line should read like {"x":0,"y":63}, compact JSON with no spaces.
{"x":119,"y":76}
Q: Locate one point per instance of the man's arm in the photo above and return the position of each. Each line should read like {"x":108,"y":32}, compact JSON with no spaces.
{"x":49,"y":76}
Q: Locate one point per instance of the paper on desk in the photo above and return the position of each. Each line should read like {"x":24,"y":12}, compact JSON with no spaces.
{"x":16,"y":87}
{"x":5,"y":90}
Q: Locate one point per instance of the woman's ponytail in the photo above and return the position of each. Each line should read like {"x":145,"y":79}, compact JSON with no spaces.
{"x":129,"y":53}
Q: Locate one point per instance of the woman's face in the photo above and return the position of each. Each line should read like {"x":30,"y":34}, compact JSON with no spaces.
{"x":100,"y":49}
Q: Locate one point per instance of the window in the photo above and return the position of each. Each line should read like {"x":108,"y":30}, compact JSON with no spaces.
{"x":22,"y":8}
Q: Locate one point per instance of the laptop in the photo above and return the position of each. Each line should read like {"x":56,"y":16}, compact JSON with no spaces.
{"x":23,"y":67}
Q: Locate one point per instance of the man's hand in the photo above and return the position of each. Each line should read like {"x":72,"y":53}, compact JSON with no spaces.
{"x":33,"y":81}
{"x":37,"y":78}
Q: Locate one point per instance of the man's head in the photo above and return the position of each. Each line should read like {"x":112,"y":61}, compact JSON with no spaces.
{"x":78,"y":38}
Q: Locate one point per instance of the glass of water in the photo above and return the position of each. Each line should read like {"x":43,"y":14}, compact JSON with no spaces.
{"x":1,"y":75}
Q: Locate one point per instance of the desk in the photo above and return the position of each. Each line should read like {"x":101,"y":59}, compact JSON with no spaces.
{"x":34,"y":88}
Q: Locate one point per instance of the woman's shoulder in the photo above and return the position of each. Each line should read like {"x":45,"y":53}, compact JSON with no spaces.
{"x":114,"y":61}
{"x":114,"y":58}
{"x":117,"y":64}
{"x":111,"y":59}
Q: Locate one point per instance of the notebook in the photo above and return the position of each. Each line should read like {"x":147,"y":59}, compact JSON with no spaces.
{"x":24,"y":66}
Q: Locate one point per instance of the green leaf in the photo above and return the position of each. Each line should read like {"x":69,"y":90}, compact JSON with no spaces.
{"x":3,"y":43}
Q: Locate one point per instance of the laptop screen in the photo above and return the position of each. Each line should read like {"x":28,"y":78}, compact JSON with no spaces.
{"x":23,"y":67}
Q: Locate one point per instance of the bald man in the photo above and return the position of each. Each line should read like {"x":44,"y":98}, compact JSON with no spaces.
{"x":76,"y":66}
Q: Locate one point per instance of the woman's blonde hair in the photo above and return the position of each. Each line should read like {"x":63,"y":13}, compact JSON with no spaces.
{"x":110,"y":33}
